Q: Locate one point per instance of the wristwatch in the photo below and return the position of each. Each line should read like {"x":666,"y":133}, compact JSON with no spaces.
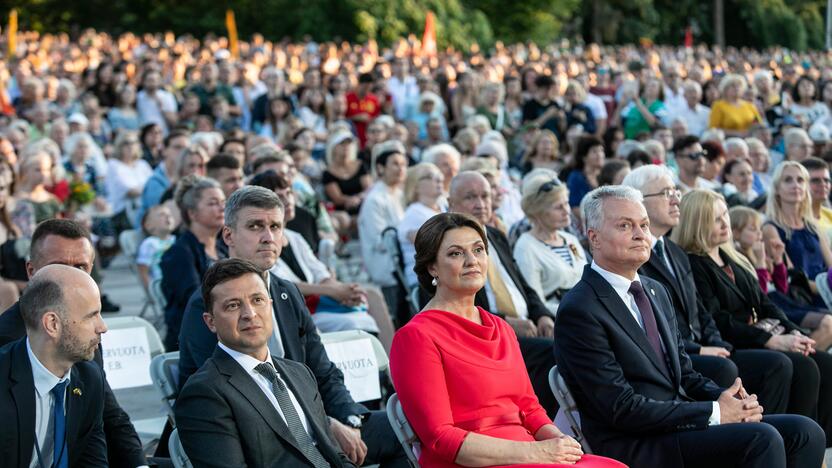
{"x":354,"y":421}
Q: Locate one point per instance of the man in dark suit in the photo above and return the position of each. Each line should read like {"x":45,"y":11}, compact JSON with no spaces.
{"x":66,"y":242}
{"x":506,"y":292}
{"x":246,"y":407}
{"x":254,"y":232}
{"x":764,"y":372}
{"x":51,"y":397}
{"x":621,"y":355}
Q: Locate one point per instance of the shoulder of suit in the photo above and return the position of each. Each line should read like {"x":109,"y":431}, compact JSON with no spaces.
{"x":90,"y":373}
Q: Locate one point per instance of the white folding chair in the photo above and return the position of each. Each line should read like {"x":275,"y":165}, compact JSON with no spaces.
{"x":403,"y":431}
{"x":164,"y":371}
{"x":177,"y":453}
{"x":568,"y":407}
{"x":390,"y":239}
{"x":129,"y":242}
{"x":154,"y":340}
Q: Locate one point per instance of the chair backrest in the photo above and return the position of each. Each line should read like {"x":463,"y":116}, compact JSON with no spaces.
{"x":390,"y":240}
{"x":129,"y":242}
{"x":177,"y":453}
{"x":154,"y":340}
{"x":156,"y":294}
{"x":403,"y":431}
{"x":164,"y":371}
{"x":568,"y":406}
{"x":350,"y":335}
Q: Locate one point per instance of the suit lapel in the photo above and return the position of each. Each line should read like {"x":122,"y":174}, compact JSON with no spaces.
{"x":74,"y":409}
{"x":302,"y":394}
{"x":505,"y":257}
{"x":286,"y":321}
{"x":240,"y":380}
{"x":23,"y":393}
{"x":621,"y":313}
{"x":668,"y":337}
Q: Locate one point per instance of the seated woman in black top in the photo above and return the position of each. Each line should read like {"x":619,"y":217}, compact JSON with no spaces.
{"x":727,"y":284}
{"x":201,"y":204}
{"x":345,"y":179}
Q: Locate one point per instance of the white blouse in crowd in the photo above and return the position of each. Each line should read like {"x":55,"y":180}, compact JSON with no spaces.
{"x":546,"y":270}
{"x":316,"y":272}
{"x":121,"y":178}
{"x":414,"y":217}
{"x":697,"y":118}
{"x":382,"y":208}
{"x":811,"y":114}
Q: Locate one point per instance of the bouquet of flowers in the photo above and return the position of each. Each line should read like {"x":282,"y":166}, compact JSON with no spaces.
{"x":81,"y":194}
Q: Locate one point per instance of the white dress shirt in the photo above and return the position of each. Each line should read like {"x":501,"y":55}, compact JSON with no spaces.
{"x":45,"y":381}
{"x":621,"y":286}
{"x":248,"y":363}
{"x":275,"y":343}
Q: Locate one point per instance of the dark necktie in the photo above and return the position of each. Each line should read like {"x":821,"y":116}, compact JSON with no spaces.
{"x":291,"y":415}
{"x":659,"y":249}
{"x":60,"y":455}
{"x":649,"y":320}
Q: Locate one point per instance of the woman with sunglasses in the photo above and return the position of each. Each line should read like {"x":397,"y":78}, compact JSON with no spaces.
{"x":551,"y":259}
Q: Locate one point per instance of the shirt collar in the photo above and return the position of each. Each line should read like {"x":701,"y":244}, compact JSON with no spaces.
{"x":247,"y":362}
{"x":620,"y":284}
{"x":44,"y":379}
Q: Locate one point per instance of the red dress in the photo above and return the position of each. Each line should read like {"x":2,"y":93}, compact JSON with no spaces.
{"x":454,"y":376}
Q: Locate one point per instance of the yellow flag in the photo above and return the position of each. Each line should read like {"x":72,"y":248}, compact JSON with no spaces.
{"x":12,"y":32}
{"x":231,"y":25}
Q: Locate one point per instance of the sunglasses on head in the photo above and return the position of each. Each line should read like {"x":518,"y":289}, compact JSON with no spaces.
{"x":548,"y":186}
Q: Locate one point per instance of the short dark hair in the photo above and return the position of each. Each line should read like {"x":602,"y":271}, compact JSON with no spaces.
{"x":796,"y":88}
{"x":176,"y":134}
{"x":231,"y":141}
{"x":729,"y":166}
{"x":222,"y":271}
{"x":684,"y":142}
{"x":65,"y":228}
{"x":270,"y":180}
{"x":713,"y":150}
{"x":221,"y":161}
{"x":265,"y":159}
{"x":813,"y":164}
{"x":582,"y":147}
{"x":544,"y":81}
{"x":637,"y":156}
{"x":429,"y":237}
{"x":250,"y":195}
{"x":610,"y":170}
{"x":40,"y":296}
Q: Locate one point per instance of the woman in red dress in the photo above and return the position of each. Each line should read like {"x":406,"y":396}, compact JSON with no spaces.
{"x":458,"y":369}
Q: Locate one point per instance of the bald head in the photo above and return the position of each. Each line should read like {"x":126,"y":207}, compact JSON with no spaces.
{"x":470,"y":193}
{"x":55,"y":288}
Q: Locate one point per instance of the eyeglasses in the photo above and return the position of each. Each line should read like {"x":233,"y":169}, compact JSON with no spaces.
{"x":668,"y":193}
{"x":548,"y":186}
{"x":696,"y":155}
{"x":820,"y":180}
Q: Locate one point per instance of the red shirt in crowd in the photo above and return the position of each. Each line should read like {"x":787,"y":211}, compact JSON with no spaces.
{"x":368,"y":105}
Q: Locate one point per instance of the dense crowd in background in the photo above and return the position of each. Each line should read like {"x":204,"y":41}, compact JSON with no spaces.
{"x":153,"y":134}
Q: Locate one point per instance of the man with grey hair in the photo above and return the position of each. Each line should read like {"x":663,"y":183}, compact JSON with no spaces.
{"x":446,"y":158}
{"x":620,"y":353}
{"x":798,"y":145}
{"x":765,"y":372}
{"x":254,"y":231}
{"x":52,"y":400}
{"x":690,"y":109}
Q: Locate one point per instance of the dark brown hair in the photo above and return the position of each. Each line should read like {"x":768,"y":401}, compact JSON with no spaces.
{"x":222,"y":271}
{"x":430,"y":237}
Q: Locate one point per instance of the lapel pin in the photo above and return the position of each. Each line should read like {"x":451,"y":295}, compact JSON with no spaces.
{"x":652,"y":291}
{"x":76,"y":391}
{"x":284,"y":296}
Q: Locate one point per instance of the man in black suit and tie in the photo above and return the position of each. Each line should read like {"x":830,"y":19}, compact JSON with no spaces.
{"x":245,"y":407}
{"x":621,"y":354}
{"x":764,"y":372}
{"x":506,"y":292}
{"x":67,"y":242}
{"x":254,"y":232}
{"x":51,"y":396}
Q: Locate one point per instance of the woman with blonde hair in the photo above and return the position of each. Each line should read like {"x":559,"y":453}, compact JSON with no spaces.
{"x":789,"y":213}
{"x":551,"y":259}
{"x":731,"y":113}
{"x":543,"y":152}
{"x":767,"y":254}
{"x":727,"y":284}
{"x":423,"y":195}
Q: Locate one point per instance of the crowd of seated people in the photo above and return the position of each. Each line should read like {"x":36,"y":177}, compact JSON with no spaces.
{"x":655,"y":223}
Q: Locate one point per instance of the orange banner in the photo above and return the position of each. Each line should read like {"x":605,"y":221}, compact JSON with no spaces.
{"x":12,"y":32}
{"x":231,"y":25}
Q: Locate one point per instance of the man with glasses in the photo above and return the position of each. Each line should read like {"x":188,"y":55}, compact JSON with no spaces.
{"x":819,"y":187}
{"x":764,"y":372}
{"x":690,"y":158}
